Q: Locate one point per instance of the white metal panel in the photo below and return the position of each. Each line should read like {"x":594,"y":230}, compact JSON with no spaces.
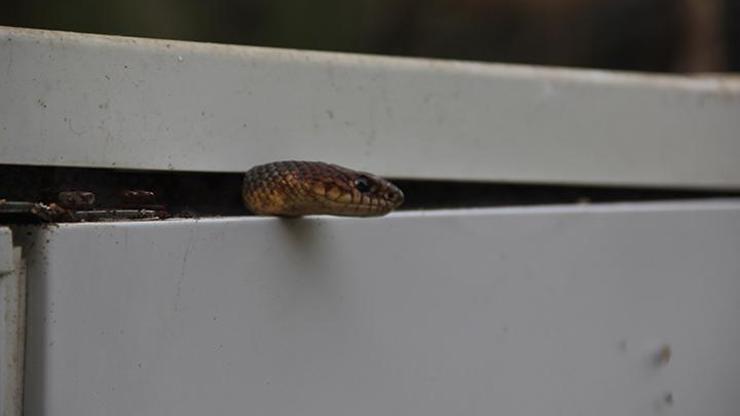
{"x":12,"y":325}
{"x":6,"y":251}
{"x":101,"y":101}
{"x":536,"y":311}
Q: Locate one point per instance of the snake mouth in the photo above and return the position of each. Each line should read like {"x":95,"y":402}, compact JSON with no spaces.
{"x":368,"y":204}
{"x":375,"y":206}
{"x":360,"y":210}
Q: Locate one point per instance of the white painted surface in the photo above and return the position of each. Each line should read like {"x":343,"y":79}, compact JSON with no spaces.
{"x":6,"y":251}
{"x":12,"y":325}
{"x":85,"y":100}
{"x":536,"y":311}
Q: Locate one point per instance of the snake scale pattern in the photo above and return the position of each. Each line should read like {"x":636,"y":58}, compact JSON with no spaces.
{"x":297,"y":188}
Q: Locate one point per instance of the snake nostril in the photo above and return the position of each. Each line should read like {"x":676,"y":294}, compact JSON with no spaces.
{"x":394,"y":197}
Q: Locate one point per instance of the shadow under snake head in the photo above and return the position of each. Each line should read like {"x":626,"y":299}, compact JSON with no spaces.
{"x":294,"y":188}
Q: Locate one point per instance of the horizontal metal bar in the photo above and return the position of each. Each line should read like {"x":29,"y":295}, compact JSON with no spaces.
{"x":101,"y":101}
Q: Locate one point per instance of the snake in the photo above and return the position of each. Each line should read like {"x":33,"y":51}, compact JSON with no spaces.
{"x":299,"y":188}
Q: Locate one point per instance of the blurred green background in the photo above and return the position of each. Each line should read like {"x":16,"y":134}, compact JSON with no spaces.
{"x":646,"y":35}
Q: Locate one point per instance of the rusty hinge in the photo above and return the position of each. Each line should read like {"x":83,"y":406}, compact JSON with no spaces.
{"x":80,"y":206}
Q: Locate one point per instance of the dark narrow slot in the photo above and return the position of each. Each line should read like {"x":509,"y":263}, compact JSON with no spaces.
{"x":183,"y":194}
{"x":452,"y":194}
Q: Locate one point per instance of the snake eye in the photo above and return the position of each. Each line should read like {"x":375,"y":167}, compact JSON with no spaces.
{"x":362,"y":183}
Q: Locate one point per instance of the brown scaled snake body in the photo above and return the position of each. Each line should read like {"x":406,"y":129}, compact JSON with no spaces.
{"x":296,"y":188}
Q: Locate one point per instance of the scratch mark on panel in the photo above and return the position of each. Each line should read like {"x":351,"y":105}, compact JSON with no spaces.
{"x":10,"y":57}
{"x":181,"y":277}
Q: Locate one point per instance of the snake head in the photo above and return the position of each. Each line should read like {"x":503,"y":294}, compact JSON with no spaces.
{"x":370,"y":193}
{"x":295,"y":188}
